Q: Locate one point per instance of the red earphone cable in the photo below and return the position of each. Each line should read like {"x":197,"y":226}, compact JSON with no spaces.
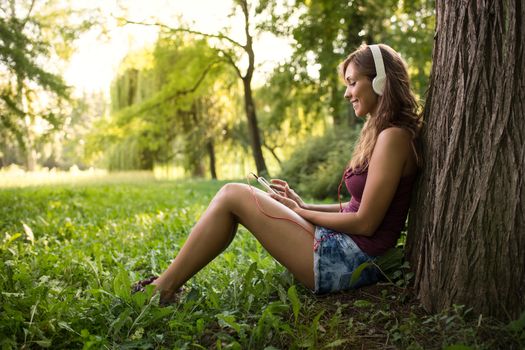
{"x":272,"y":216}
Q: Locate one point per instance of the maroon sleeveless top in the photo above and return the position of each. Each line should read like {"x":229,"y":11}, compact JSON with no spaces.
{"x":390,"y":228}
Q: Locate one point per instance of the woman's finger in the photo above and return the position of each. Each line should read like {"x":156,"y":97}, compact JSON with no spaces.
{"x":278,"y":188}
{"x":279,"y":182}
{"x":275,"y":196}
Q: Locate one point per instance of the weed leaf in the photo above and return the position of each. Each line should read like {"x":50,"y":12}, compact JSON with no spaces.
{"x":29,"y":233}
{"x":294,"y":299}
{"x":458,"y":347}
{"x":121,"y":320}
{"x":363,"y":303}
{"x":336,"y":343}
{"x":357,"y":272}
{"x":44,"y":343}
{"x":121,"y":285}
{"x":10,"y":239}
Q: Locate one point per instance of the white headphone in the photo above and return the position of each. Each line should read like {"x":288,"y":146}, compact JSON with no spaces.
{"x":378,"y":84}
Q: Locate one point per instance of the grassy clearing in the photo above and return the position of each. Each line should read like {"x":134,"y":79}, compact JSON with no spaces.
{"x":69,"y":253}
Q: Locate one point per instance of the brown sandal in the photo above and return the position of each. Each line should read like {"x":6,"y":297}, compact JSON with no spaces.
{"x":140,"y":286}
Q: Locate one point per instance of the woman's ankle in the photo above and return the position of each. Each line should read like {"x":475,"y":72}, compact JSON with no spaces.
{"x":164,"y":290}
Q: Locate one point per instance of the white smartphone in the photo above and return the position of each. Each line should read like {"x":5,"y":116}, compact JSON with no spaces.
{"x":264,"y":183}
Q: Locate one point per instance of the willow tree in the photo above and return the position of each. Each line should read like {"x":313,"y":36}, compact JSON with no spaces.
{"x":467,"y":226}
{"x":233,"y":50}
{"x":165,"y":104}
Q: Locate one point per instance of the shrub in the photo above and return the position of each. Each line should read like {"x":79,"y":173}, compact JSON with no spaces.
{"x":315,"y":168}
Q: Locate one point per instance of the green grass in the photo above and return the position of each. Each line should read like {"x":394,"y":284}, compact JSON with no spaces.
{"x":69,"y":253}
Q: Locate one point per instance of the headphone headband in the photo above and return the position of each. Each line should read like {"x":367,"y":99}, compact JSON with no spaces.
{"x":378,"y":84}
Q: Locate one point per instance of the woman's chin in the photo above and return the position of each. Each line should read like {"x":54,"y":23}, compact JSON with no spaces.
{"x":358,"y":114}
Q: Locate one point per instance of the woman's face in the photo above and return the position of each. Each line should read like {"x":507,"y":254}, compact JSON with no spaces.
{"x":359,"y":92}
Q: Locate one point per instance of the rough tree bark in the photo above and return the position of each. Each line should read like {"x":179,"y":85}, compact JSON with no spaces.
{"x":466,"y":232}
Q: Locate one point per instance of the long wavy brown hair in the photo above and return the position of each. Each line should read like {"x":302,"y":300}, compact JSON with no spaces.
{"x":397,"y":106}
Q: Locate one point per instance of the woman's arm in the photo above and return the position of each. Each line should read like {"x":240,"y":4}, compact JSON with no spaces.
{"x":385,"y":169}
{"x":334,"y":208}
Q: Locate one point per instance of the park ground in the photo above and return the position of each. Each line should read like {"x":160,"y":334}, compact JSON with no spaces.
{"x":71,"y":248}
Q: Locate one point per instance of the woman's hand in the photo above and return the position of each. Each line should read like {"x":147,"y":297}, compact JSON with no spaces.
{"x":286,"y":192}
{"x":286,"y":201}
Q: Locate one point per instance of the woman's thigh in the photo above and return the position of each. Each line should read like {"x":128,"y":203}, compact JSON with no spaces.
{"x":288,"y":239}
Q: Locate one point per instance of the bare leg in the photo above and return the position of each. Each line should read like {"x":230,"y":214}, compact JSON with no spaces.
{"x":290,"y":244}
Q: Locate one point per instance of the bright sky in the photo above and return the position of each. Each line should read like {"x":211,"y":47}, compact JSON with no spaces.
{"x":96,"y":62}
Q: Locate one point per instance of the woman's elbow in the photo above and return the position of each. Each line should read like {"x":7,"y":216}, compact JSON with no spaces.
{"x":367,"y":232}
{"x":366,"y":228}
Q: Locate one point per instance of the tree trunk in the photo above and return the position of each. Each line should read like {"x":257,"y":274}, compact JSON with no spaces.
{"x":28,"y":133}
{"x":249,"y":104}
{"x":466,"y":238}
{"x":255,"y":138}
{"x":335,"y":101}
{"x":29,"y":146}
{"x":147,"y":159}
{"x":211,"y":155}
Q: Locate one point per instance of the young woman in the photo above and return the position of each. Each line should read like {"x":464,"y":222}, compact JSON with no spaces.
{"x":323,"y":244}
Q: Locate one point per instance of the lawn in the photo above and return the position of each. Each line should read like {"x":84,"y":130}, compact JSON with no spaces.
{"x":70,"y":251}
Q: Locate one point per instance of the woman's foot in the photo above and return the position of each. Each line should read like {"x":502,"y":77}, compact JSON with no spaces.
{"x":167,"y":297}
{"x":170,"y":297}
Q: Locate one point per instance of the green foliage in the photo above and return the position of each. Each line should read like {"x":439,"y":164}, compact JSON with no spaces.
{"x":166,"y":103}
{"x":325,"y":32}
{"x":32,"y":33}
{"x":410,"y":30}
{"x":70,"y":144}
{"x":315,"y":168}
{"x":166,"y":117}
{"x":69,"y":253}
{"x":159,"y":112}
{"x":517,"y":328}
{"x":289,"y":110}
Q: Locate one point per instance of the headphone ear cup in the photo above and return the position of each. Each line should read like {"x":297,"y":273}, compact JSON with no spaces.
{"x":378,"y":84}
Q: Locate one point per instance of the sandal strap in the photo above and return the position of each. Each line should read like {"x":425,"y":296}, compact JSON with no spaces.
{"x":141,"y":285}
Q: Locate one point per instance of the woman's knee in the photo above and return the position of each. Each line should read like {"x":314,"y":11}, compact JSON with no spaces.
{"x":232,"y":193}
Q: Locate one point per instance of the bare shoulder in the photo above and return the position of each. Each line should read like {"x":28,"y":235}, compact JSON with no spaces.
{"x":396,"y":132}
{"x":397,"y":142}
{"x":395,"y":137}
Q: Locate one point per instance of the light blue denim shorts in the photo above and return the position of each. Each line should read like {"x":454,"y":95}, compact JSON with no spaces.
{"x":336,"y":256}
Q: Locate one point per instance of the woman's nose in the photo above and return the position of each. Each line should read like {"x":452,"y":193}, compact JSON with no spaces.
{"x":347,"y":94}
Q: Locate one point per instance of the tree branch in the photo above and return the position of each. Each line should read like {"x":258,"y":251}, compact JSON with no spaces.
{"x":230,"y":60}
{"x":272,"y":151}
{"x":244,"y":7}
{"x":146,"y":106}
{"x":28,"y":13}
{"x":219,"y":36}
{"x":249,"y":41}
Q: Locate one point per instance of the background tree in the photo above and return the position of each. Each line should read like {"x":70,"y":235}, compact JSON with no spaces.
{"x":466,"y":234}
{"x":32,"y":34}
{"x":166,"y":103}
{"x":288,"y":113}
{"x":328,"y":31}
{"x":234,"y":51}
{"x":69,"y":146}
{"x":325,"y":32}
